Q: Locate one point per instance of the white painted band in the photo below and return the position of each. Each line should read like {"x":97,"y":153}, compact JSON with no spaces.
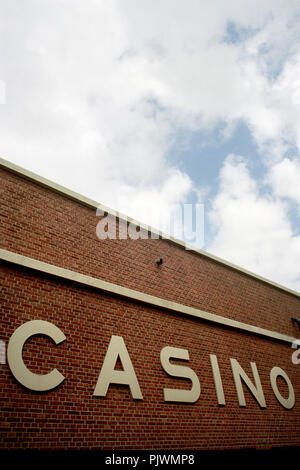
{"x":111,"y":288}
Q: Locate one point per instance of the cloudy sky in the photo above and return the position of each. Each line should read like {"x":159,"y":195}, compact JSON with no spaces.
{"x":146,"y":104}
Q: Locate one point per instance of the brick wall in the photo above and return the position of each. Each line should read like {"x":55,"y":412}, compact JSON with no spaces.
{"x":49,"y":227}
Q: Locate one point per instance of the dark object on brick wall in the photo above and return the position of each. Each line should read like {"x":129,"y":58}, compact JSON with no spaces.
{"x":297,"y":321}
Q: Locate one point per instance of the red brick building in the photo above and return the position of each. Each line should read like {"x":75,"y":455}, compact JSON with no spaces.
{"x":230,"y":329}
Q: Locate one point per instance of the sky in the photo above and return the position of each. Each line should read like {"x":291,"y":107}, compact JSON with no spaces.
{"x":146,"y":105}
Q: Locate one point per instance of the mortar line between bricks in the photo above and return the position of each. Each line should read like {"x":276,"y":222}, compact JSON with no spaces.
{"x":116,"y":289}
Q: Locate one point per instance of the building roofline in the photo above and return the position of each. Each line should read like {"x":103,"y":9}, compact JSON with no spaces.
{"x":29,"y":175}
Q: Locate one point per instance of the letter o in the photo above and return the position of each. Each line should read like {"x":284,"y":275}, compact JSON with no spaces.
{"x":285,"y":402}
{"x":36,"y":382}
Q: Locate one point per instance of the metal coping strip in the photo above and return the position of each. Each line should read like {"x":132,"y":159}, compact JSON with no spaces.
{"x":95,"y":205}
{"x":111,"y":288}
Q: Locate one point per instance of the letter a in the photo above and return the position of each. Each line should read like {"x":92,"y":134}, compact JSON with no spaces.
{"x":108,"y":374}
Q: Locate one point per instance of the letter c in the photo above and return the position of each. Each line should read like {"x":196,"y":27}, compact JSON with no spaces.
{"x":36,"y":382}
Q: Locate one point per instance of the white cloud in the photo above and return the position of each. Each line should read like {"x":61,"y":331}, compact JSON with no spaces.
{"x":77,"y":71}
{"x":253,"y":229}
{"x":284,"y":177}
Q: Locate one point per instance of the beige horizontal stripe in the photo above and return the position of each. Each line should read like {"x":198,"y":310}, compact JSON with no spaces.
{"x":131,"y":294}
{"x":94,"y":205}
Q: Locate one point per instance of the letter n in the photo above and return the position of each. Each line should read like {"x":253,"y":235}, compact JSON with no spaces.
{"x":256,"y":390}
